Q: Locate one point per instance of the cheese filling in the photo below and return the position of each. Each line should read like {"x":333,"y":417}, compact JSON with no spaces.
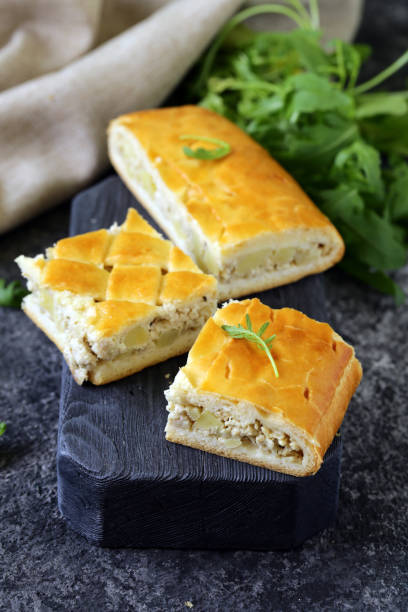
{"x":228,"y":431}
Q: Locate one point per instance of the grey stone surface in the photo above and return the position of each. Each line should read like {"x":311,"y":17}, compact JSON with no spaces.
{"x":361,"y":564}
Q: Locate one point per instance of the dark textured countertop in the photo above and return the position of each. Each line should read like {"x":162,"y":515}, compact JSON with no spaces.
{"x":361,"y":564}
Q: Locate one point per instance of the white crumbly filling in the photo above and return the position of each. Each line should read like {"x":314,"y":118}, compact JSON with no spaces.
{"x":84,"y":346}
{"x":207,"y":419}
{"x":222,"y":426}
{"x":260,"y":262}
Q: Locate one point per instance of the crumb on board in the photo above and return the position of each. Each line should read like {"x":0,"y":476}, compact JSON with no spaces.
{"x":189,"y":604}
{"x":167,"y":375}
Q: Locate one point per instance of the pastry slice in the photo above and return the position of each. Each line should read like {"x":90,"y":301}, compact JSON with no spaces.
{"x":115,"y":301}
{"x":228,"y":400}
{"x":241,"y":217}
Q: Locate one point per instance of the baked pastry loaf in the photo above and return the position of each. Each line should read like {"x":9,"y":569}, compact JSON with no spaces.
{"x":228,"y":401}
{"x":242,"y":218}
{"x":115,"y":301}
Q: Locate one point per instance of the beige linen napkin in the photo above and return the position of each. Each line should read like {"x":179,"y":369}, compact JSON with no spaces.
{"x":52,"y":127}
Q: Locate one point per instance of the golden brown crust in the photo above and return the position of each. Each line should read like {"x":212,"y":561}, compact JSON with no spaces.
{"x":75,"y":276}
{"x":135,"y":223}
{"x":183,"y":285}
{"x":233,"y":199}
{"x":180,"y":261}
{"x":134,"y":284}
{"x":318,"y":371}
{"x":138,"y":249}
{"x":90,"y":248}
{"x":333,"y":418}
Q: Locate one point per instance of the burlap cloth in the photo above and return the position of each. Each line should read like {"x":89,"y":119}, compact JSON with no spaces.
{"x":68,"y":66}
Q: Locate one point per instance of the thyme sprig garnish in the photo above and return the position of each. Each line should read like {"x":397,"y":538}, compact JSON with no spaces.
{"x":249,"y":334}
{"x":200,"y":153}
{"x":2,"y":428}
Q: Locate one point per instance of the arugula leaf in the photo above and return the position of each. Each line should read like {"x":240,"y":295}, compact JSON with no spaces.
{"x":314,"y":93}
{"x":359,"y":165}
{"x":2,"y":428}
{"x":311,"y":55}
{"x":12,"y":294}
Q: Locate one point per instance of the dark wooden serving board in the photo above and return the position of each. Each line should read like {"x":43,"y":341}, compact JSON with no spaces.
{"x":120,"y":483}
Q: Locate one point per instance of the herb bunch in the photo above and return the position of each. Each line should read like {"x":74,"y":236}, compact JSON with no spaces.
{"x":239,"y":332}
{"x":344,"y":144}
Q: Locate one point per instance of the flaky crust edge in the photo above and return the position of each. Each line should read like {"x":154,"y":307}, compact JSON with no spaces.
{"x":333,"y":417}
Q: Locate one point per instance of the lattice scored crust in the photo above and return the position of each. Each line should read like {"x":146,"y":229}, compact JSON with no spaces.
{"x":115,"y":301}
{"x":227,"y":400}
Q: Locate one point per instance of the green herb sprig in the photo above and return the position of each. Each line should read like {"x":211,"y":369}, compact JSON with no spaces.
{"x":344,"y":143}
{"x":11,"y":295}
{"x":2,"y":428}
{"x":221,"y":151}
{"x":252,"y":336}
